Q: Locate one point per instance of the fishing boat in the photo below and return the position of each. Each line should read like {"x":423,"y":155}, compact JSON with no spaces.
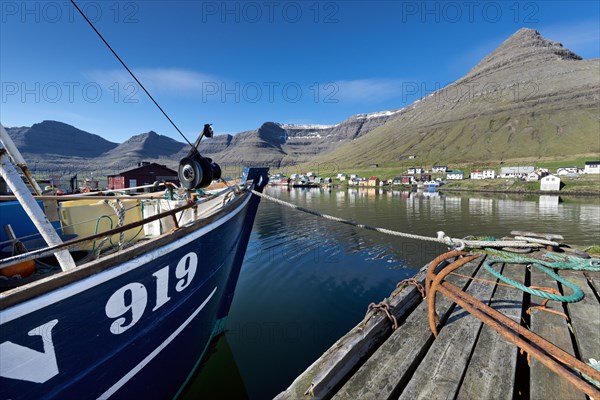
{"x":133,"y":316}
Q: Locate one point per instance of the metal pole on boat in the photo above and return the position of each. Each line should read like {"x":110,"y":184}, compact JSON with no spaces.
{"x":32,"y":208}
{"x":15,"y":154}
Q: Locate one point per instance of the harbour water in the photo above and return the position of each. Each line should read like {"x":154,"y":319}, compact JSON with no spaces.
{"x":306,"y":281}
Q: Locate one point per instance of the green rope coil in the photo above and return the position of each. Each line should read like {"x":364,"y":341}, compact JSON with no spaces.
{"x":564,"y":262}
{"x":558,"y":261}
{"x":574,"y":298}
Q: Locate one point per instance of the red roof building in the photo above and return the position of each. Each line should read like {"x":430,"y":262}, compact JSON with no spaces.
{"x":144,"y":174}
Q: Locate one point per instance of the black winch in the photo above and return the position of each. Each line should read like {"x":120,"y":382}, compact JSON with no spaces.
{"x":195,"y":171}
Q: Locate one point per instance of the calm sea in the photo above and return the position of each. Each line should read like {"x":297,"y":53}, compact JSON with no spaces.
{"x":306,"y":281}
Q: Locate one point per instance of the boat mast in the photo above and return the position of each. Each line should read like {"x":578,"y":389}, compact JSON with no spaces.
{"x":18,"y":159}
{"x":27,"y":201}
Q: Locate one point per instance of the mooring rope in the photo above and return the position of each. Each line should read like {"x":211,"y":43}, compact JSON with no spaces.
{"x":442,"y":238}
{"x":561,"y":262}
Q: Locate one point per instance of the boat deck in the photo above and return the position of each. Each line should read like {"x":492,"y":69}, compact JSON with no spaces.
{"x":468,"y":359}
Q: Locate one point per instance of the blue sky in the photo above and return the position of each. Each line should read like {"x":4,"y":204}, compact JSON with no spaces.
{"x":238,"y":64}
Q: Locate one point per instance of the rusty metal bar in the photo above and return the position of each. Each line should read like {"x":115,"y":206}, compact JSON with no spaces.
{"x":547,"y":353}
{"x":544,"y":353}
{"x":435,"y":282}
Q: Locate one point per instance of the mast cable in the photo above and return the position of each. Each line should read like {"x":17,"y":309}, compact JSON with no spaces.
{"x":132,"y":74}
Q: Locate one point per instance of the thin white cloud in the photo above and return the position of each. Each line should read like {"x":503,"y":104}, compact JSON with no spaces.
{"x":158,"y":79}
{"x":369,"y":90}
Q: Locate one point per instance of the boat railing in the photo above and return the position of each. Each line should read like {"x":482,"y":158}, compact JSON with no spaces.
{"x":77,"y":242}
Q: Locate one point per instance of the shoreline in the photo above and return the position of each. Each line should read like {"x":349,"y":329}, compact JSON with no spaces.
{"x":582,"y":193}
{"x":534,"y":192}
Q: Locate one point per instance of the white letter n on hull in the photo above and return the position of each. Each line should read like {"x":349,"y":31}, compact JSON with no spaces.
{"x":23,"y":363}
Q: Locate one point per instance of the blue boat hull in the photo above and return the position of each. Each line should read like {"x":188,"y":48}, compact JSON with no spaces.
{"x":136,"y":330}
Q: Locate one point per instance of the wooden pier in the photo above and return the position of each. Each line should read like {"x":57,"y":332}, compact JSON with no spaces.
{"x":468,"y":359}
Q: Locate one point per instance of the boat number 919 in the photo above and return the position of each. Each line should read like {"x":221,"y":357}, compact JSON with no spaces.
{"x":128,"y":303}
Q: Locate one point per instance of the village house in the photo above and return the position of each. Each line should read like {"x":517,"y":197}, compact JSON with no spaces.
{"x":145,"y":174}
{"x":342,"y":176}
{"x":483,"y":174}
{"x":563,"y":171}
{"x":403,"y":180}
{"x":516,"y":172}
{"x":592,"y":167}
{"x":415,"y":170}
{"x":455,"y":175}
{"x":439,"y":168}
{"x":550,"y":183}
{"x":533,"y":177}
{"x":373,"y":181}
{"x":425,"y":177}
{"x":536,"y":175}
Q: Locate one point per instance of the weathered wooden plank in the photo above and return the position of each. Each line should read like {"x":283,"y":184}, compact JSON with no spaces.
{"x":391,"y":366}
{"x":441,"y":371}
{"x":491,"y":370}
{"x":318,"y":380}
{"x":548,"y":236}
{"x":585,"y":318}
{"x":594,"y":280}
{"x":545,"y":384}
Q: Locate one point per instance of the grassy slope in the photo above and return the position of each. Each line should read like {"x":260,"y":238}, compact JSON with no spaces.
{"x":558,"y":133}
{"x":523,"y":102}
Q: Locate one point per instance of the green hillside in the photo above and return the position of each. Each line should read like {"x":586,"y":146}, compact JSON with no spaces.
{"x":529,"y":99}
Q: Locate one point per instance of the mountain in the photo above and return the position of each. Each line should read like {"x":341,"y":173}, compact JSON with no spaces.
{"x":145,"y":146}
{"x":287,"y":144}
{"x":531,"y":97}
{"x":271,"y":144}
{"x":59,"y":139}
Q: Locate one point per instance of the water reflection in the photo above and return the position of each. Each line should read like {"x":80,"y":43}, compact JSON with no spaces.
{"x":306,"y":281}
{"x":548,"y":205}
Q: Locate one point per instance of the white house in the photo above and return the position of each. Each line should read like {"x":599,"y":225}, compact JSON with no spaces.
{"x":439,"y":168}
{"x":550,"y":183}
{"x":483,"y":174}
{"x":415,"y":170}
{"x":561,"y":171}
{"x":592,"y":167}
{"x":533,"y":177}
{"x":516,"y":172}
{"x":455,"y":175}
